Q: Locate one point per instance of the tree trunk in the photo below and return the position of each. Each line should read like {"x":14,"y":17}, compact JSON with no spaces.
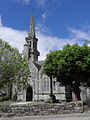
{"x":68,"y":90}
{"x":52,"y":96}
{"x":77,"y":93}
{"x":10,"y":91}
{"x":51,"y":87}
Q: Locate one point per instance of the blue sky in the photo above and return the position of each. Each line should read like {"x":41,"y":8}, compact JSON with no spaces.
{"x":57,"y":22}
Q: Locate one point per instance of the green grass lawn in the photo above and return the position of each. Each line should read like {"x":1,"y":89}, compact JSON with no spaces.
{"x":6,"y":102}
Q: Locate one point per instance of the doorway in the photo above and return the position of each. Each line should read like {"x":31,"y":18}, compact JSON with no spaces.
{"x":29,"y":94}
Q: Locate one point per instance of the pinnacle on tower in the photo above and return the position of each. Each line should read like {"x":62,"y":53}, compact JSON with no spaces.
{"x":32,"y":28}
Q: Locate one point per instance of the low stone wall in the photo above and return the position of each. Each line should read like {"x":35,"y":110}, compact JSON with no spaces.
{"x":41,"y":109}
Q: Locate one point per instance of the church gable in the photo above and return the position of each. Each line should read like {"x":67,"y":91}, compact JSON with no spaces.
{"x":41,"y":63}
{"x":32,"y":67}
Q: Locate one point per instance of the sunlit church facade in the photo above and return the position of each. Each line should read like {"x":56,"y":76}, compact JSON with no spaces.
{"x":38,"y":87}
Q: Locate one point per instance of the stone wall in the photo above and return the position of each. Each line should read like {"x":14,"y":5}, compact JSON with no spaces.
{"x":41,"y":109}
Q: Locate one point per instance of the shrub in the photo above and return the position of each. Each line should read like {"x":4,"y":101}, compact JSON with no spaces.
{"x":5,"y":98}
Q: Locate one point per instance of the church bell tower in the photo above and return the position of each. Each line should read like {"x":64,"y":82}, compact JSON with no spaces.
{"x":30,"y":47}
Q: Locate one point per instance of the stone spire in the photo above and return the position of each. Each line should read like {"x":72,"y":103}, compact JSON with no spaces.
{"x":30,"y":47}
{"x":32,"y":28}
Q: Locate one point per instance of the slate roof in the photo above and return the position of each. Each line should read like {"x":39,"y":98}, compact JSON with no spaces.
{"x":39,"y":64}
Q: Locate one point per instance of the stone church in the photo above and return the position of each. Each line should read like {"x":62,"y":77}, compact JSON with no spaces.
{"x":39,"y":84}
{"x":38,"y":87}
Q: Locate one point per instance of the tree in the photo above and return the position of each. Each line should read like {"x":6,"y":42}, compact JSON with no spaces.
{"x":50,"y":69}
{"x":70,"y":66}
{"x":13,"y":68}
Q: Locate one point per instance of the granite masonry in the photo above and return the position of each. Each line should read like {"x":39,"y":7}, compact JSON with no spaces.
{"x":33,"y":109}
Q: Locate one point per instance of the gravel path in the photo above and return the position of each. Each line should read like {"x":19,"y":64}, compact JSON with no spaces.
{"x":79,"y":116}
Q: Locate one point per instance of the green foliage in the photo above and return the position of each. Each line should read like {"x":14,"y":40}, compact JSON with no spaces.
{"x":13,"y":67}
{"x":51,"y":64}
{"x":5,"y":98}
{"x":70,"y":65}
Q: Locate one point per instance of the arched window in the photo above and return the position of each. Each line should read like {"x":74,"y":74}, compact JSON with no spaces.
{"x":44,"y":84}
{"x":48,"y":84}
{"x":54,"y":86}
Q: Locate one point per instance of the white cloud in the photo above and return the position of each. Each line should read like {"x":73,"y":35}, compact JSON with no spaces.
{"x":14,"y":37}
{"x":49,"y":42}
{"x":45,"y":42}
{"x":44,"y":16}
{"x":41,"y":2}
{"x":43,"y":29}
{"x":24,"y":1}
{"x":80,"y":35}
{"x":0,"y":21}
